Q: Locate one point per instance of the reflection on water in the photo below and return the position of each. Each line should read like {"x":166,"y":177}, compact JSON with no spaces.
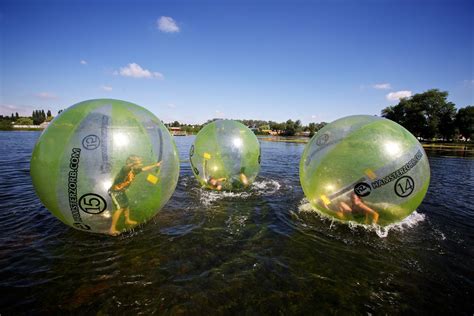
{"x":260,"y":251}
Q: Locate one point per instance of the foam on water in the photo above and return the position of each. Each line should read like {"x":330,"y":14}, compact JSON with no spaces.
{"x":263,"y":187}
{"x":207,"y":197}
{"x":266,"y":186}
{"x":382,"y":231}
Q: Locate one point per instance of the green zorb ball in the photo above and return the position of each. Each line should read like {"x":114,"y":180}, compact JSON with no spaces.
{"x":105,"y":166}
{"x":225,"y":156}
{"x":365,"y":169}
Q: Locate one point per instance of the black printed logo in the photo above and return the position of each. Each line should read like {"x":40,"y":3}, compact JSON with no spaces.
{"x":191,"y":151}
{"x":362,"y":189}
{"x":91,"y":142}
{"x":82,"y":226}
{"x":196,"y":171}
{"x":92,"y":203}
{"x":323,"y":139}
{"x":404,"y":186}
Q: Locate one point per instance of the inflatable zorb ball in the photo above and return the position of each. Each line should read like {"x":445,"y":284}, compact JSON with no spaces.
{"x":365,"y":169}
{"x":104,"y":166}
{"x":225,"y":156}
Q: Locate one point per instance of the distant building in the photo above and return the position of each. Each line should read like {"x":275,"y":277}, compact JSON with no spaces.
{"x":28,"y":127}
{"x":41,"y":126}
{"x":304,"y":133}
{"x":177,"y":131}
{"x":271,"y":132}
{"x":44,"y":125}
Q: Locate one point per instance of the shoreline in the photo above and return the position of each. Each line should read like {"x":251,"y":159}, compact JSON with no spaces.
{"x":468,"y":146}
{"x":447,"y":146}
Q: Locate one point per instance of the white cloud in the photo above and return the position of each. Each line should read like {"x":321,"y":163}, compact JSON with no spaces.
{"x":219,"y":114}
{"x":468,"y":83}
{"x":106,"y":88}
{"x":134,"y":70}
{"x":83,"y":62}
{"x":395,"y":96}
{"x":382,"y":86}
{"x":171,"y":105}
{"x":167,"y":24}
{"x":46,"y":96}
{"x":23,"y":110}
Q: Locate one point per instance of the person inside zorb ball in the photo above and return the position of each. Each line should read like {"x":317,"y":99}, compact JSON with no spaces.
{"x":225,"y":156}
{"x":364,"y":169}
{"x":105,"y":166}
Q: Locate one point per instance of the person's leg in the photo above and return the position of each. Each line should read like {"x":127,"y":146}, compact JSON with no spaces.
{"x":113,"y":228}
{"x":244,"y":180}
{"x":343,"y":208}
{"x":128,"y":221}
{"x":368,"y":211}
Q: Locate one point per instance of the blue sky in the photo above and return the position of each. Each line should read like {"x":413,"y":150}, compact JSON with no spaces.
{"x":195,"y":60}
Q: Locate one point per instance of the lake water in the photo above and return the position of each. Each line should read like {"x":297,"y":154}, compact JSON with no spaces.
{"x":259,"y":252}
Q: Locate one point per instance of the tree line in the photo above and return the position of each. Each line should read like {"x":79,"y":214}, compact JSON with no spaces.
{"x":261,"y":127}
{"x":37,"y":117}
{"x":429,"y":115}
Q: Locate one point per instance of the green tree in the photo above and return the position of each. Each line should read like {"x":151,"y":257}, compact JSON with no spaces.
{"x":38,"y":117}
{"x":5,"y":124}
{"x":312,"y":129}
{"x":264,"y":127}
{"x":426,"y":114}
{"x":320,"y":125}
{"x":465,"y":122}
{"x":274,"y":126}
{"x":290,"y":128}
{"x":298,"y":126}
{"x":24,"y":121}
{"x":395,"y":113}
{"x":35,"y":117}
{"x":447,"y":121}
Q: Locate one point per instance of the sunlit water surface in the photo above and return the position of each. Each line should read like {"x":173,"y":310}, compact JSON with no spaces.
{"x":259,"y":252}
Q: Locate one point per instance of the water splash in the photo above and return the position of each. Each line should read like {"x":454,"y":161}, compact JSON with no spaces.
{"x":382,"y":231}
{"x":207,"y":197}
{"x":266,"y":187}
{"x":408,"y":222}
{"x":258,"y":188}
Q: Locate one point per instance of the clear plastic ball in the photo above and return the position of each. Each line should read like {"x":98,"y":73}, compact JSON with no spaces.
{"x":225,"y":156}
{"x":105,"y":166}
{"x":365,"y":169}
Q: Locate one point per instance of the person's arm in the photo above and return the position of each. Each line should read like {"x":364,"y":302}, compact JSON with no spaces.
{"x":151,"y":166}
{"x":343,"y":207}
{"x":124,"y":184}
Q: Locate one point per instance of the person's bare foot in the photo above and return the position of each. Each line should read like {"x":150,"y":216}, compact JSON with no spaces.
{"x":130,"y":222}
{"x":340,"y":215}
{"x":114,"y":232}
{"x":375,"y":219}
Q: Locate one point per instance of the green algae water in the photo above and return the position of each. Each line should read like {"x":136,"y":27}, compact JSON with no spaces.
{"x":259,"y":251}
